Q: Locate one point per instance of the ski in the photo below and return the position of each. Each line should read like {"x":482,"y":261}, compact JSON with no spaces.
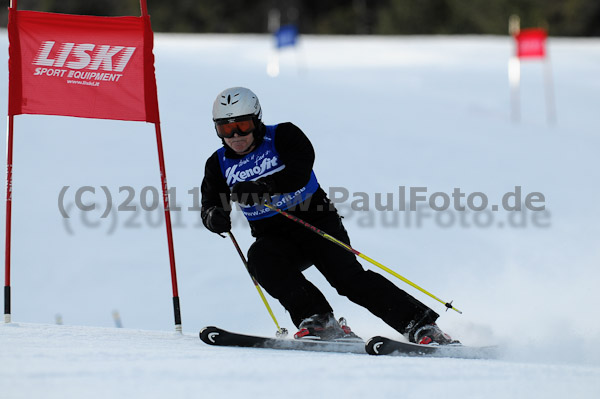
{"x":219,"y":337}
{"x":385,"y":346}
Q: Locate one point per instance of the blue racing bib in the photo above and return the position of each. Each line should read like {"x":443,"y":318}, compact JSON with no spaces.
{"x":261,"y":162}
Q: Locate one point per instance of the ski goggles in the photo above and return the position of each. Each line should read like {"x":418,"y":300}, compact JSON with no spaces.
{"x":227,"y":127}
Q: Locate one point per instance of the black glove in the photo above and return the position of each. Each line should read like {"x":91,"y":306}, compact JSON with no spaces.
{"x":216,"y":220}
{"x":250,"y":192}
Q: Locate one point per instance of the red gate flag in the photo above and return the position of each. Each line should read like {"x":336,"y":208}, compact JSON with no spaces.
{"x":84,"y":66}
{"x":531,"y":43}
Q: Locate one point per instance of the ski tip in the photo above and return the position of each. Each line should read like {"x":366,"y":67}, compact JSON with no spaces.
{"x":374,"y":345}
{"x":207,"y":328}
{"x":208,"y":335}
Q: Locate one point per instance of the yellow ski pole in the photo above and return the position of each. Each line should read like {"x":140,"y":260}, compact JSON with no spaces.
{"x":309,"y":226}
{"x":281,"y":332}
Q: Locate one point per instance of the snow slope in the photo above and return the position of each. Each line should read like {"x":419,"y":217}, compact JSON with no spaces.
{"x":382,"y":113}
{"x":71,"y":362}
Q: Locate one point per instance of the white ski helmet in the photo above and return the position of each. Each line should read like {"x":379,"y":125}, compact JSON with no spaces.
{"x":236,"y":102}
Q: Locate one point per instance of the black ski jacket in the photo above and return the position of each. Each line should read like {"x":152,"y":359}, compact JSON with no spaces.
{"x":298,"y":155}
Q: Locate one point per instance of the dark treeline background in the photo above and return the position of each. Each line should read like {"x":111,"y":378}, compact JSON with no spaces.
{"x":385,"y":17}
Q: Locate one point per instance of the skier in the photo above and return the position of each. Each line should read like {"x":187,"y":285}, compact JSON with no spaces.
{"x":259,"y":162}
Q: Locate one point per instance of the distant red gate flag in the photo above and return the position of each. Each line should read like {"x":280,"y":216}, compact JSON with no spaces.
{"x":84,"y":66}
{"x":531,"y":43}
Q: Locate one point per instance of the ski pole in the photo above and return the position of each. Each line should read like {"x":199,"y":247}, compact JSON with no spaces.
{"x":355,"y":252}
{"x":281,"y":332}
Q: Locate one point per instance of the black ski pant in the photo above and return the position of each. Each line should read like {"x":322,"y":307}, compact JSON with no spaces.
{"x":277,"y":262}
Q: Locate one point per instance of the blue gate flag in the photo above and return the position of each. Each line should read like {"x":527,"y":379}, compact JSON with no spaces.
{"x":286,"y":35}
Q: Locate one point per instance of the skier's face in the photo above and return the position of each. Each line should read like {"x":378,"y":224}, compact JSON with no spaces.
{"x":242,"y":145}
